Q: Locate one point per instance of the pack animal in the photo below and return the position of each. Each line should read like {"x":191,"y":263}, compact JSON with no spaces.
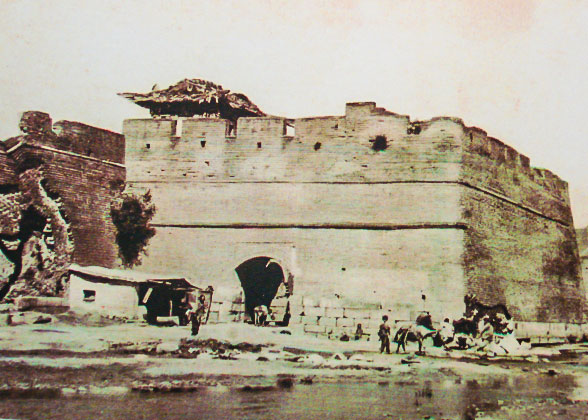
{"x":415,"y":335}
{"x":475,"y":311}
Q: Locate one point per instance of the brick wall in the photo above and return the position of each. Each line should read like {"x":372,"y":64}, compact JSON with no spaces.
{"x":520,"y":245}
{"x":83,"y":167}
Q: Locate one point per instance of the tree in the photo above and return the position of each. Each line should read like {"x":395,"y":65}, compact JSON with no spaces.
{"x":131,"y":215}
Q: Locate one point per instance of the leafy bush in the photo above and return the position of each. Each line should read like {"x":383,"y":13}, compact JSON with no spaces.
{"x":131,"y":215}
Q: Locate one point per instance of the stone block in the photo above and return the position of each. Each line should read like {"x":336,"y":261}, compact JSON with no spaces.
{"x":313,"y":311}
{"x":327,"y":321}
{"x":296,"y":309}
{"x":329,"y":303}
{"x":358,"y":313}
{"x":309,"y":320}
{"x":334,"y":312}
{"x":315,"y":329}
{"x":345,"y":322}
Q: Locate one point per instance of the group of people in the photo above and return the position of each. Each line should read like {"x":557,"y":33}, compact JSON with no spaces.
{"x":194,"y":316}
{"x":480,"y":332}
{"x":417,"y":332}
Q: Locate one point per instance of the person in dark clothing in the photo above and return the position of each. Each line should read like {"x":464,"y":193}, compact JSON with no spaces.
{"x":384,"y":335}
{"x":197,"y":315}
{"x":183,"y":313}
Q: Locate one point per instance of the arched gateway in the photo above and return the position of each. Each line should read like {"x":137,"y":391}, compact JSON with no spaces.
{"x":263,"y":279}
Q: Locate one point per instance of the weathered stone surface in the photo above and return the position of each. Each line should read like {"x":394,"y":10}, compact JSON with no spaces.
{"x":81,"y":167}
{"x":436,"y":211}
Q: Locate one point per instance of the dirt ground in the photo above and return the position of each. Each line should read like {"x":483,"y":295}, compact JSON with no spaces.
{"x":549,"y":382}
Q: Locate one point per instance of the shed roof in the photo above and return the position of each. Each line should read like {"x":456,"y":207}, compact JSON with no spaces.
{"x":109,"y":275}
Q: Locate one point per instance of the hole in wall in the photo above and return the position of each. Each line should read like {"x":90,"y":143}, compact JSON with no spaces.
{"x":202,"y":143}
{"x":379,"y":143}
{"x":231,"y":129}
{"x":317,"y":145}
{"x":179,"y":125}
{"x":289,"y":130}
{"x":343,"y":269}
{"x":414,"y":129}
{"x":89,"y":295}
{"x":148,"y":146}
{"x":259,"y":145}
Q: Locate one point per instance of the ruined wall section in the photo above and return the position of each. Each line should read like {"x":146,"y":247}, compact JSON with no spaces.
{"x":83,"y":167}
{"x":520,"y":243}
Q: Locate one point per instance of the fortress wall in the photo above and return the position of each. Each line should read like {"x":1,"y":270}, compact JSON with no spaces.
{"x":89,"y":141}
{"x":520,"y":244}
{"x":260,"y":151}
{"x":86,"y":188}
{"x":304,"y":204}
{"x":492,"y":165}
{"x":517,"y":258}
{"x":432,"y":173}
{"x":83,"y":167}
{"x":365,"y":268}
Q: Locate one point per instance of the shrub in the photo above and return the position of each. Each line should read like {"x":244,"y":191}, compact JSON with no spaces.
{"x":131,"y":215}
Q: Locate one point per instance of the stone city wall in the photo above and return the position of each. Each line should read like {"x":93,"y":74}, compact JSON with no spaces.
{"x":404,"y":206}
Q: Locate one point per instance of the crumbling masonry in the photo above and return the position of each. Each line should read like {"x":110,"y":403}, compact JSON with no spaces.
{"x":56,"y":185}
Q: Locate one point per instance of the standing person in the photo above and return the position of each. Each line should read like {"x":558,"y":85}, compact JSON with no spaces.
{"x":447,"y":332}
{"x":384,"y":335}
{"x":197,"y":315}
{"x":261,"y":312}
{"x":184,"y":309}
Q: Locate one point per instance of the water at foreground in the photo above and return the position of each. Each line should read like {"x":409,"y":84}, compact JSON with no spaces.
{"x":392,"y":398}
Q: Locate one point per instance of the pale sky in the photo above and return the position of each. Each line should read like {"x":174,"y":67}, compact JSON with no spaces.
{"x":516,"y":69}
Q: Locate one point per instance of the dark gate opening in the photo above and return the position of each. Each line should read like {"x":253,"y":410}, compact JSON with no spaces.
{"x":260,"y":278}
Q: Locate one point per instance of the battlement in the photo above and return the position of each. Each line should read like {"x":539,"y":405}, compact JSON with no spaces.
{"x":39,"y":130}
{"x":367,"y":144}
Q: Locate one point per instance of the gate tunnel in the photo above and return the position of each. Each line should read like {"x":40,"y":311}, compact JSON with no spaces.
{"x":260,"y":278}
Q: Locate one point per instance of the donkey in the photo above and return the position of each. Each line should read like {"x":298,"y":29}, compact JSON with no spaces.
{"x":416,"y":335}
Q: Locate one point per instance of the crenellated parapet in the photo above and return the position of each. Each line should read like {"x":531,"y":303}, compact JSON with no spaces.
{"x":367,"y":144}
